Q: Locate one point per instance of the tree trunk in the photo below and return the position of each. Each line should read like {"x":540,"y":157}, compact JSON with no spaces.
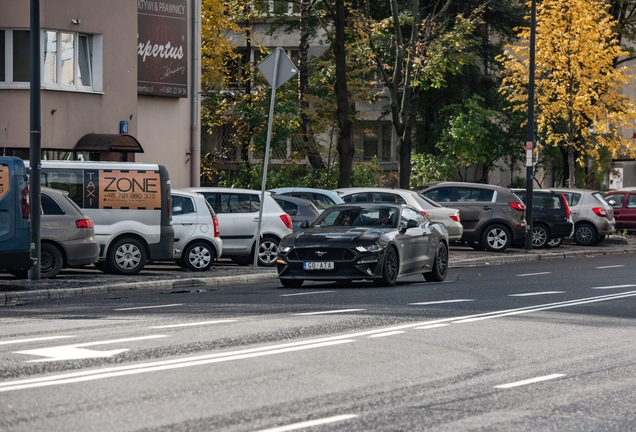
{"x":571,"y":167}
{"x":345,"y":146}
{"x":308,"y":141}
{"x":404,"y":165}
{"x":245,"y":144}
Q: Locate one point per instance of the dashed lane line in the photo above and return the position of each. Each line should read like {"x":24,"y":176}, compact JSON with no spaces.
{"x":305,"y":293}
{"x":534,"y":274}
{"x":536,"y":293}
{"x":311,"y":423}
{"x":17,"y":341}
{"x":150,"y":307}
{"x":441,"y":302}
{"x":529,"y":381}
{"x":192,"y":324}
{"x":329,"y":312}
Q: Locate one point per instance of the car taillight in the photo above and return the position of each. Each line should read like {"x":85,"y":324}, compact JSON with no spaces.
{"x":425,"y":214}
{"x":169,"y":208}
{"x":568,"y":212}
{"x":286,"y":220}
{"x":517,"y":205}
{"x":26,"y":204}
{"x":455,"y":218}
{"x":600,"y":211}
{"x":215,"y":223}
{"x":85,"y":223}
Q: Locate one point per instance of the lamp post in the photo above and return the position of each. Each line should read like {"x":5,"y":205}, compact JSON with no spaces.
{"x":35,"y":140}
{"x":530,"y":135}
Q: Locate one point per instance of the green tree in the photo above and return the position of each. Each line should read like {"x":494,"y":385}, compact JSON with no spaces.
{"x":580,"y":105}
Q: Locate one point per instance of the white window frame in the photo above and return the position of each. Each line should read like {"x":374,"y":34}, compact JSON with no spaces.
{"x":290,"y":8}
{"x":95,"y":57}
{"x":8,"y":61}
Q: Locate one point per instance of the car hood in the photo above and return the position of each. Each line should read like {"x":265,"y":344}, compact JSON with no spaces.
{"x":341,"y":236}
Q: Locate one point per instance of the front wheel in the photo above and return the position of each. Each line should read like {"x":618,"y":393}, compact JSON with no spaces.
{"x":198,"y":256}
{"x":555,"y":242}
{"x":389,"y":269}
{"x":496,"y":238}
{"x":440,"y":265}
{"x":126,"y":256}
{"x":51,"y":260}
{"x":291,"y":283}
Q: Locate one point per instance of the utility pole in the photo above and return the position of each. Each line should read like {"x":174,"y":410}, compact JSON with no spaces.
{"x":530,"y":136}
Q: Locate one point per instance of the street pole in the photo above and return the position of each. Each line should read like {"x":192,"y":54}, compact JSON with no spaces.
{"x":257,"y":243}
{"x":530,"y":135}
{"x":35,"y":141}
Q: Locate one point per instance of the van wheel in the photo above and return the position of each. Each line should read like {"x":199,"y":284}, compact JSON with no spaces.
{"x":51,"y":260}
{"x":496,"y":238}
{"x":267,"y":252}
{"x":585,"y":235}
{"x":126,"y":256}
{"x":198,"y":256}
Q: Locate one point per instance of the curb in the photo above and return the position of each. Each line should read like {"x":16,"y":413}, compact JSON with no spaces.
{"x":13,"y":298}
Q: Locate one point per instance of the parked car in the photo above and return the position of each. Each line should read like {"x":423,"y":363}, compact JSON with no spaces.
{"x":493,"y":217}
{"x":623,"y":203}
{"x":551,"y":217}
{"x":67,"y":235}
{"x":380,"y":242}
{"x":321,"y":198}
{"x":592,"y":215}
{"x":300,"y":210}
{"x":449,"y":217}
{"x":197,"y":239}
{"x":237,"y":211}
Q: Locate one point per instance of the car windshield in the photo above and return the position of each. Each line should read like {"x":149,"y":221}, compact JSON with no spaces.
{"x":383,"y":217}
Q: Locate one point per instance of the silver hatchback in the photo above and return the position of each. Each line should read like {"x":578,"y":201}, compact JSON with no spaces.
{"x":592,"y":215}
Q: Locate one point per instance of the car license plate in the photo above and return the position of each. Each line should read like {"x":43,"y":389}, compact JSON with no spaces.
{"x":318,"y":265}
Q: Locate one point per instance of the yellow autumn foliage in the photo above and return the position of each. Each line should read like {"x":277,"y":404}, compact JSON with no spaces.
{"x":579,"y":99}
{"x":216,"y":49}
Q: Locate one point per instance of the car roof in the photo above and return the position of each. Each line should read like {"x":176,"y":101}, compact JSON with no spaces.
{"x":455,"y":183}
{"x":222,"y":190}
{"x":300,"y":189}
{"x":54,"y":191}
{"x":625,"y":189}
{"x":577,"y":190}
{"x":186,"y":193}
{"x":515,"y":190}
{"x":370,"y":205}
{"x":349,"y":191}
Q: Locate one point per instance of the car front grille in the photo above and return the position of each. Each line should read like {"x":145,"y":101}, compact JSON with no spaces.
{"x":314,"y":254}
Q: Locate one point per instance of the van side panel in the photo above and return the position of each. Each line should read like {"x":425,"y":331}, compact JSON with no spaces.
{"x":15,"y":230}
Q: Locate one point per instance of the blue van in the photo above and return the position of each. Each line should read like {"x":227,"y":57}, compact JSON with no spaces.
{"x":15,"y":226}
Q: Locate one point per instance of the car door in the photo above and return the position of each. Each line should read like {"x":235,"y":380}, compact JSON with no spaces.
{"x":629,"y":212}
{"x":184,"y":220}
{"x":238,"y":220}
{"x":413,"y":242}
{"x":618,"y":202}
{"x":476,"y":205}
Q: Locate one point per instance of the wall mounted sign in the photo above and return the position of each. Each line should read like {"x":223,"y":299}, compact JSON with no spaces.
{"x":162,"y":45}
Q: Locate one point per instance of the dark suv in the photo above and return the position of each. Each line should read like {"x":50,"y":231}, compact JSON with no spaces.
{"x":493,"y":217}
{"x":551,"y":217}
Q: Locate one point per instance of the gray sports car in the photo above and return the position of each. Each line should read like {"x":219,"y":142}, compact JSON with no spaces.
{"x":380,"y":242}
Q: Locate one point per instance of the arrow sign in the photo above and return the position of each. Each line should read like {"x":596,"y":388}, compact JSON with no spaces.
{"x":76,"y":352}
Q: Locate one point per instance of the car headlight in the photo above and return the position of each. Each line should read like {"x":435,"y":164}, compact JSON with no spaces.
{"x":371,"y":248}
{"x":284,"y":249}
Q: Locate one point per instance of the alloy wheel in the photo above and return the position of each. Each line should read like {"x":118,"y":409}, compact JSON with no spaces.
{"x":267,"y":252}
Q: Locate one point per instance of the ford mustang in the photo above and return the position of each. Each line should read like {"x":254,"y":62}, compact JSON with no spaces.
{"x":378,"y":242}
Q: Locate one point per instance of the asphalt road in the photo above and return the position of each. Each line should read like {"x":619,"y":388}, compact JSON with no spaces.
{"x":539,"y":345}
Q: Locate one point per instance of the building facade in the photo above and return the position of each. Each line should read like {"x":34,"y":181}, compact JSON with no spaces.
{"x":116,"y":82}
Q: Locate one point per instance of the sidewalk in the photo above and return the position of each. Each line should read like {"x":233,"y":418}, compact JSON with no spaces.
{"x":77,"y":282}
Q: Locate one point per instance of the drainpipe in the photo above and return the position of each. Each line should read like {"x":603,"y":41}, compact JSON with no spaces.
{"x":195,"y":130}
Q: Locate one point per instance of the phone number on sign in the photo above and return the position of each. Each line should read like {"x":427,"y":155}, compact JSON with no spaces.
{"x":122,"y":195}
{"x":173,"y":90}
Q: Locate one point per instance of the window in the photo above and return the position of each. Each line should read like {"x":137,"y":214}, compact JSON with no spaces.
{"x":323,"y":201}
{"x":442,"y":194}
{"x":615,"y":200}
{"x":474,"y":194}
{"x":238,"y":203}
{"x":388,"y":197}
{"x":356,"y":198}
{"x":631,"y":202}
{"x":182,"y":205}
{"x":69,"y":180}
{"x":15,"y":60}
{"x":49,"y":206}
{"x":289,"y":208}
{"x":572,"y":198}
{"x":374,"y":140}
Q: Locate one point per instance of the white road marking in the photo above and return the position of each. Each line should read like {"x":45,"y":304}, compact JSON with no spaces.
{"x":391,"y":333}
{"x":612,"y":266}
{"x":33,"y":340}
{"x":150,"y":307}
{"x":76,"y":351}
{"x":614,"y":286}
{"x":534,"y":274}
{"x":305,"y":293}
{"x":432,"y":326}
{"x":192,"y":324}
{"x":330,"y":312}
{"x":162,"y":365}
{"x":441,"y":302}
{"x":536,"y":293}
{"x":529,"y":381}
{"x":310,"y":423}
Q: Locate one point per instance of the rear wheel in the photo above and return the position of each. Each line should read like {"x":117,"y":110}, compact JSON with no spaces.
{"x":496,"y":238}
{"x":198,"y":256}
{"x":126,"y":256}
{"x":291,"y":283}
{"x":51,"y":260}
{"x":440,"y":266}
{"x":540,"y":236}
{"x":267,"y":252}
{"x":555,"y":242}
{"x":390,"y":268}
{"x":585,"y":234}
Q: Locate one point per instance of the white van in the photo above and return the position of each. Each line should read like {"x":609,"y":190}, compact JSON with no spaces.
{"x":128,"y":202}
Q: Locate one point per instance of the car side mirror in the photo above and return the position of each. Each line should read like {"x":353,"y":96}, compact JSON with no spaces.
{"x":412,"y":223}
{"x":304,"y":224}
